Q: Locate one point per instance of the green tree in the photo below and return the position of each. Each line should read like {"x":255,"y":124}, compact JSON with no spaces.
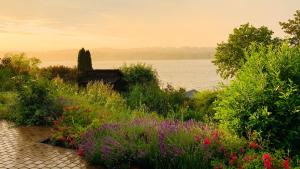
{"x":264,"y":97}
{"x":230,"y":55}
{"x":292,"y":27}
{"x":84,"y":61}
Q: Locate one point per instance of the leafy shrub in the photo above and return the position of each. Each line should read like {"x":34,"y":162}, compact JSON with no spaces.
{"x":85,"y":108}
{"x":15,"y":69}
{"x":203,"y":105}
{"x":37,"y":104}
{"x":19,"y":64}
{"x":66,"y":73}
{"x":69,"y":127}
{"x":139,"y":74}
{"x":265,"y":97}
{"x":7,"y":104}
{"x":152,"y":98}
{"x":7,"y":83}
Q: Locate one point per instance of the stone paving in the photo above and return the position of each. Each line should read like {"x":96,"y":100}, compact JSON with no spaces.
{"x":20,"y":148}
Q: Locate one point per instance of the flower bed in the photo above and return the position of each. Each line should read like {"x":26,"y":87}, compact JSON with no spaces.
{"x":160,"y":144}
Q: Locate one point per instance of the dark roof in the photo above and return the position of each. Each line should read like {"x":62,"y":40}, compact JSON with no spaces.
{"x":191,"y":93}
{"x":105,"y":75}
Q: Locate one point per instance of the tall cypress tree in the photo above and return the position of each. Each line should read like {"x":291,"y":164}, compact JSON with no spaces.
{"x":88,"y":60}
{"x":84,"y":61}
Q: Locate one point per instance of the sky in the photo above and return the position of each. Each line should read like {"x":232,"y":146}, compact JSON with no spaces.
{"x":29,"y":25}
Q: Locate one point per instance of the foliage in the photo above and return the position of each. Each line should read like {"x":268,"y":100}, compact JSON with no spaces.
{"x":99,"y":122}
{"x":152,"y":98}
{"x":265,"y":97}
{"x":292,"y":27}
{"x":69,"y":127}
{"x":15,"y":69}
{"x":7,"y":83}
{"x":139,"y":74}
{"x":19,"y":64}
{"x":230,"y":56}
{"x":7,"y":104}
{"x":66,"y":73}
{"x":163,"y":144}
{"x":85,"y":108}
{"x":84,"y":61}
{"x":37,"y":105}
{"x":202,"y":105}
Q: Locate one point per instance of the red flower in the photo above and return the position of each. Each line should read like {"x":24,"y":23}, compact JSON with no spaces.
{"x":267,"y":161}
{"x":242,"y":150}
{"x":80,"y":151}
{"x":219,"y":167}
{"x":197,"y":138}
{"x":247,"y":158}
{"x":206,"y":141}
{"x":254,"y":145}
{"x":233,"y":159}
{"x":286,"y":164}
{"x":215,"y":135}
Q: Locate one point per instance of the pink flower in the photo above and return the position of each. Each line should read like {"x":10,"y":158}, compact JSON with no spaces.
{"x":206,"y":141}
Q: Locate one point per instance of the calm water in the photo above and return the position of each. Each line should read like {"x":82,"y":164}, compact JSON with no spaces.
{"x":190,"y":74}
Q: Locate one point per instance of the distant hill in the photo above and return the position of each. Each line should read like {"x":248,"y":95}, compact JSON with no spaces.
{"x":154,"y":53}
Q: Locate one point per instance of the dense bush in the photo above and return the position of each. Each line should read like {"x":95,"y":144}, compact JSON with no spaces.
{"x":69,"y":127}
{"x":139,"y":74}
{"x":265,"y":98}
{"x":7,"y":104}
{"x":152,"y":98}
{"x":16,"y":69}
{"x":202,"y":105}
{"x":37,"y":104}
{"x":66,"y":73}
{"x":7,"y":83}
{"x":85,"y":108}
{"x":19,"y":64}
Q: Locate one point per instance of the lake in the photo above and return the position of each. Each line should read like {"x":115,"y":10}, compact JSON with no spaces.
{"x":189,"y":74}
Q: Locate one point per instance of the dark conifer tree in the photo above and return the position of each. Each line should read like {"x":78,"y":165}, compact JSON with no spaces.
{"x":84,"y":61}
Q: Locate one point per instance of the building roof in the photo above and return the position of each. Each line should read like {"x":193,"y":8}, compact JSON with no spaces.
{"x":106,"y":75}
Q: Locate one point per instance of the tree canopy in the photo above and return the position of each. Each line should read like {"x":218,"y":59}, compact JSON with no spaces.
{"x":230,"y":55}
{"x":292,"y":27}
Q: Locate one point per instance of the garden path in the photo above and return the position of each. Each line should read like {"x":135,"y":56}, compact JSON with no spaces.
{"x":20,"y":147}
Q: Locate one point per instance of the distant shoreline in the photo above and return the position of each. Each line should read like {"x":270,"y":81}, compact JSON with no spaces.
{"x":157,"y":53}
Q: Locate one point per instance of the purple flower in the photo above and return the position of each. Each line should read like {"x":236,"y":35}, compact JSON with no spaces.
{"x":162,"y":145}
{"x":110,"y":146}
{"x":108,"y":127}
{"x":177,"y":151}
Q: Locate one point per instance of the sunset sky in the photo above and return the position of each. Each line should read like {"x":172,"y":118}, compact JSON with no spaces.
{"x":67,"y":24}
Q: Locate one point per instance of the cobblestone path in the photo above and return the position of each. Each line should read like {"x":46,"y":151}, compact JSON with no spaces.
{"x":20,"y":148}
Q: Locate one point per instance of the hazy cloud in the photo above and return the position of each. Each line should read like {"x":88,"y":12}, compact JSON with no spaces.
{"x":132,"y":23}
